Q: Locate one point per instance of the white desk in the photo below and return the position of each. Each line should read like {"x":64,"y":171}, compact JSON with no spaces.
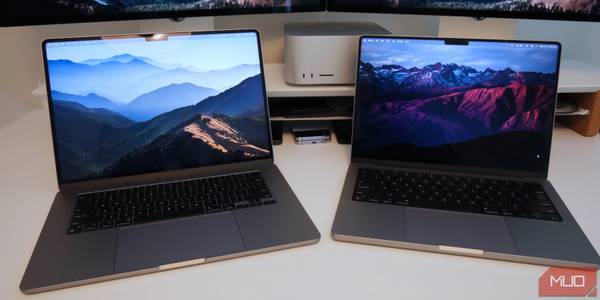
{"x":327,"y":270}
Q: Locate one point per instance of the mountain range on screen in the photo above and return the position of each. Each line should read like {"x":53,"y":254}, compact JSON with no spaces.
{"x":441,"y":104}
{"x":129,"y":84}
{"x":127,"y":115}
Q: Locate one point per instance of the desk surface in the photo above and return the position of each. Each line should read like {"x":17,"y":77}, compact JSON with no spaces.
{"x":327,"y":270}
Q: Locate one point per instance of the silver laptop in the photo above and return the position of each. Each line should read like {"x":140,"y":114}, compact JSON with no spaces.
{"x":450,"y":154}
{"x":163,"y":156}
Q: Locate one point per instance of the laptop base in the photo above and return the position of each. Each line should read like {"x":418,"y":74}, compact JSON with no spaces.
{"x":495,"y":237}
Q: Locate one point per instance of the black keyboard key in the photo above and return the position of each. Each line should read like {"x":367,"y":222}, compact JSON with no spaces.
{"x":142,"y":212}
{"x":124,"y":222}
{"x":182,"y":207}
{"x":109,"y":223}
{"x":242,"y":205}
{"x":227,"y":206}
{"x":90,"y":226}
{"x":213,"y":208}
{"x":169,"y":211}
{"x":268,"y":201}
{"x":75,"y":228}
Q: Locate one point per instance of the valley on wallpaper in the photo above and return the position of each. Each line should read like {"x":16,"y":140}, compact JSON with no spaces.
{"x":128,"y":114}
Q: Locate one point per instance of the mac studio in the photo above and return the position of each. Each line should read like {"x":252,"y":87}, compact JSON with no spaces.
{"x":270,"y":144}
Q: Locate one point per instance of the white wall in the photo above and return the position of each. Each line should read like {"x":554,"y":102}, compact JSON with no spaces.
{"x":580,"y":40}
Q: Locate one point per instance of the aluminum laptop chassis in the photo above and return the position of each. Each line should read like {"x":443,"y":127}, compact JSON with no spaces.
{"x":535,"y":241}
{"x":459,"y":233}
{"x":60,"y":260}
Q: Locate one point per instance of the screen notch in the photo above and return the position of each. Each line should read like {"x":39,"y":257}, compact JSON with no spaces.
{"x":155,"y":37}
{"x":456,"y":42}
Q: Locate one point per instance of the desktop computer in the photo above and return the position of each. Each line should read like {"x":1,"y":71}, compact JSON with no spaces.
{"x":324,"y":53}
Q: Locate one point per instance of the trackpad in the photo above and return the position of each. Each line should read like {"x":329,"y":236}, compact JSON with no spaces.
{"x":153,"y":245}
{"x":433,"y":227}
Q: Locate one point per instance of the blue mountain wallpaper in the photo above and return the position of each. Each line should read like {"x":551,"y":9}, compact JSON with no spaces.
{"x":125,"y":108}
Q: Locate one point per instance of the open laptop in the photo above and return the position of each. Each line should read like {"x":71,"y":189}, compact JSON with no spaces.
{"x":450,"y":152}
{"x":164,"y":158}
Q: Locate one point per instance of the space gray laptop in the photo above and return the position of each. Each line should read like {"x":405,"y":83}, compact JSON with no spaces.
{"x":164,"y":158}
{"x":450,"y":152}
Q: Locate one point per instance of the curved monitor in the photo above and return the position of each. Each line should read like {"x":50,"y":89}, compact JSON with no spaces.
{"x":38,"y":12}
{"x":573,"y":10}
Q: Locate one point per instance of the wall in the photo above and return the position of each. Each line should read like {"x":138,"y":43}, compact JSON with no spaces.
{"x":580,"y":40}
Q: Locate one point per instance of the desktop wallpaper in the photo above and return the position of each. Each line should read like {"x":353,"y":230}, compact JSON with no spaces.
{"x":525,"y":6}
{"x":124,"y":107}
{"x":484,"y":105}
{"x":108,"y":7}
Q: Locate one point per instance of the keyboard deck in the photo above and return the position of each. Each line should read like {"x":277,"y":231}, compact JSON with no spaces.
{"x":456,"y":193}
{"x":143,"y":204}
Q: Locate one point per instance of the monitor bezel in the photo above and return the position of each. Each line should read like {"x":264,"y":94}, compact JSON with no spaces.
{"x":333,"y":6}
{"x":454,"y":168}
{"x":124,"y":178}
{"x":6,"y":21}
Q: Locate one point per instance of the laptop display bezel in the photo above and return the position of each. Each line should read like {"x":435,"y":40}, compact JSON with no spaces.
{"x":442,"y":167}
{"x":151,"y":176}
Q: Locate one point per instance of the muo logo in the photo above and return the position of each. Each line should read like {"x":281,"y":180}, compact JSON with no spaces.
{"x":568,"y":282}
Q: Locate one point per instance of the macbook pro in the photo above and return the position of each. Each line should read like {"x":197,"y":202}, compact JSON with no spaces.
{"x":450,"y":154}
{"x":164,"y":158}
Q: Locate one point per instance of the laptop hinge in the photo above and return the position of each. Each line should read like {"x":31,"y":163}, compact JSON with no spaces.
{"x":450,"y":169}
{"x":176,"y":175}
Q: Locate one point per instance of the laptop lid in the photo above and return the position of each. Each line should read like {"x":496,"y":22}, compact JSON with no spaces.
{"x":131,"y":105}
{"x":477,"y":106}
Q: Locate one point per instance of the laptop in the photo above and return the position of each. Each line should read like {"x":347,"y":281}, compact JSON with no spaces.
{"x":163,"y":156}
{"x":451,"y":146}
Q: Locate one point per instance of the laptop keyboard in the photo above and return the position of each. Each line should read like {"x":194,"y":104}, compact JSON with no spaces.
{"x":143,"y":204}
{"x":456,"y":193}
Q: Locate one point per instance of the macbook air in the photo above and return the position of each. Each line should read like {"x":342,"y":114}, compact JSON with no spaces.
{"x":163,"y":157}
{"x":450,"y":154}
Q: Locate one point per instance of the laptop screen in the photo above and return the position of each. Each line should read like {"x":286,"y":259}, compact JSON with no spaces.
{"x":127,"y":106}
{"x":478,"y":104}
